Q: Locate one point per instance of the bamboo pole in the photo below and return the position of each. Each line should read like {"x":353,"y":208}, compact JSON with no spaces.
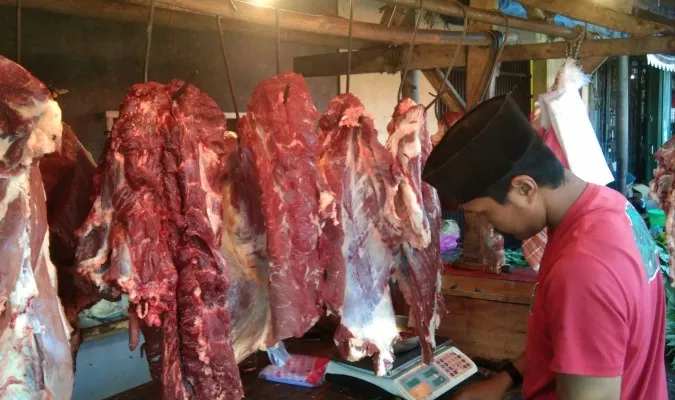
{"x":138,"y":14}
{"x":426,"y":57}
{"x":321,"y":24}
{"x":487,"y":16}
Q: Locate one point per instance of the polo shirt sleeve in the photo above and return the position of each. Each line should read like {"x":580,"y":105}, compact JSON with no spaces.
{"x":586,"y":311}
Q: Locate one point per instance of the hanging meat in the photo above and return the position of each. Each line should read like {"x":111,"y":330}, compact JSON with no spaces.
{"x":662,"y":191}
{"x":279,"y":132}
{"x":34,"y":333}
{"x":154,"y":232}
{"x":360,"y":247}
{"x":418,"y":205}
{"x":68,"y":181}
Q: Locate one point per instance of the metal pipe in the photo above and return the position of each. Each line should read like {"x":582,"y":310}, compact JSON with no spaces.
{"x":453,"y":9}
{"x":622,"y":83}
{"x":148,"y":43}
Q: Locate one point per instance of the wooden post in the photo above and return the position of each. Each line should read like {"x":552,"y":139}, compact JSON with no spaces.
{"x":477,"y":59}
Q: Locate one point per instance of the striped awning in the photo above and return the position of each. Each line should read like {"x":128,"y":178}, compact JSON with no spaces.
{"x":662,"y":61}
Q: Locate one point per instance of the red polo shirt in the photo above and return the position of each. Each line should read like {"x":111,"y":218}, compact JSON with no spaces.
{"x":599,"y":306}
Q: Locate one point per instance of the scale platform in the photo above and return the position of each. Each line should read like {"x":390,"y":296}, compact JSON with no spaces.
{"x":409,"y":378}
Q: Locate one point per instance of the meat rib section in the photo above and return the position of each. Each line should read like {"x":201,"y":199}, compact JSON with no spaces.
{"x":360,"y":247}
{"x":34,"y":333}
{"x":419,"y":272}
{"x":154,"y":232}
{"x":279,"y":130}
{"x":662,"y":191}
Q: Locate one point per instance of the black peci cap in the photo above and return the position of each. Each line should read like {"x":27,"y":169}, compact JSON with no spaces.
{"x":479,"y":149}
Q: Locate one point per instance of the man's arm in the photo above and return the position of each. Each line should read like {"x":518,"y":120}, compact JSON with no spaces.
{"x":577,"y":387}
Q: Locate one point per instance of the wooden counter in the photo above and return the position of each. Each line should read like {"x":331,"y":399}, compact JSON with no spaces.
{"x":487,"y":313}
{"x":259,"y":389}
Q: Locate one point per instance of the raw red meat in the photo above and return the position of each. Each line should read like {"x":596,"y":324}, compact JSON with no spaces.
{"x":68,"y":180}
{"x":662,"y":191}
{"x":359,"y":250}
{"x":34,"y":333}
{"x":419,"y":272}
{"x":244,"y":245}
{"x":279,"y":131}
{"x":157,"y":217}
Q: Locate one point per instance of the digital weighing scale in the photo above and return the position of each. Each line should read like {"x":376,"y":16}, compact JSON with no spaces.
{"x":409,"y":378}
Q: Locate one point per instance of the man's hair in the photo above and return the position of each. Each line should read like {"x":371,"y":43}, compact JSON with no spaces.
{"x":539,"y":163}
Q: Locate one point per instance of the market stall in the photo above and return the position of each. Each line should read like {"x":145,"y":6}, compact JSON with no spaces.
{"x":287,"y":248}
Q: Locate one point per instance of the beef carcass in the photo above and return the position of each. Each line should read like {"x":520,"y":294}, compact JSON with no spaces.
{"x":244,"y":244}
{"x":662,"y":191}
{"x":68,"y":180}
{"x":157,"y":219}
{"x":359,"y":250}
{"x":418,"y":205}
{"x":279,"y":131}
{"x":34,"y":333}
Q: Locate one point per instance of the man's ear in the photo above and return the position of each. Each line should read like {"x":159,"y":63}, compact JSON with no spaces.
{"x":524,"y":188}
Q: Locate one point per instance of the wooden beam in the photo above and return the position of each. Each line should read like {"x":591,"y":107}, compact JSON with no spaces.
{"x":318,"y":24}
{"x":488,"y":16}
{"x":478,"y":66}
{"x":133,"y":13}
{"x":590,"y":64}
{"x":594,"y":13}
{"x":426,"y":57}
{"x":449,"y":98}
{"x":394,"y":16}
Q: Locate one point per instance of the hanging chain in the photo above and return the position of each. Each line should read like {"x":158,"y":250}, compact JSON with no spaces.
{"x":227,"y":69}
{"x":349,"y":46}
{"x":151,"y":18}
{"x":410,"y":51}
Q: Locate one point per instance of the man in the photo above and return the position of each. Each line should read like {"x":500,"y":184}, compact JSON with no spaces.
{"x":596,"y":328}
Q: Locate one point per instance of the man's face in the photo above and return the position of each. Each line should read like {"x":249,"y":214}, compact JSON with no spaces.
{"x":522,"y":215}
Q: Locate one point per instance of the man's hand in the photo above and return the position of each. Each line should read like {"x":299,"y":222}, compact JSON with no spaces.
{"x":494,"y":388}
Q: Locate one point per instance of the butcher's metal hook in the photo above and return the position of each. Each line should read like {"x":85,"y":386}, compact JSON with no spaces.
{"x":349,"y":45}
{"x":227,"y":68}
{"x":443,"y":87}
{"x":183,"y":88}
{"x":278,"y":37}
{"x":391,"y":17}
{"x":151,"y":19}
{"x":410,"y":51}
{"x":19,"y":6}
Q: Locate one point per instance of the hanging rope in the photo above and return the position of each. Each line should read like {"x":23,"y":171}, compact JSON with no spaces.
{"x":278,"y":38}
{"x":444,"y":83}
{"x":19,"y":6}
{"x":573,"y":46}
{"x":148,"y":42}
{"x":410,"y":51}
{"x":227,"y":68}
{"x":349,"y":45}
